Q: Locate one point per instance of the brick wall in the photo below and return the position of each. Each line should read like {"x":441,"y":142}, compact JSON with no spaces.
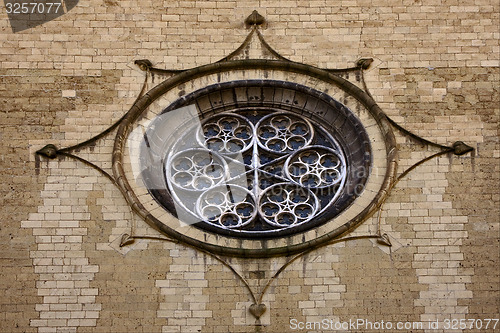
{"x":436,"y":72}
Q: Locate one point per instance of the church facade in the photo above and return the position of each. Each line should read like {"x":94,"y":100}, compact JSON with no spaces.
{"x":257,"y":166}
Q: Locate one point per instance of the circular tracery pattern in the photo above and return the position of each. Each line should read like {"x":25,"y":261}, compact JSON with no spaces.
{"x":316,"y":167}
{"x":226,"y":134}
{"x":196,"y":169}
{"x":285,"y":205}
{"x":227,"y":206}
{"x":256,"y":171}
{"x":284,"y":132}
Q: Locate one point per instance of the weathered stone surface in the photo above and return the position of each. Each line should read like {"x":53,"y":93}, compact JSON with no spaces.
{"x":435,"y":72}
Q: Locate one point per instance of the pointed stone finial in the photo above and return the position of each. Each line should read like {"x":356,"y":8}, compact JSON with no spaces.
{"x":257,"y":310}
{"x":384,"y":240}
{"x":255,"y":19}
{"x":144,"y":64}
{"x":49,"y":151}
{"x":460,"y":148}
{"x":364,"y":63}
{"x":126,"y":240}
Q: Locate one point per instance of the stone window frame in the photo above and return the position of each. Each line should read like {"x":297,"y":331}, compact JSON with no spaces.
{"x":371,"y":116}
{"x":274,"y":98}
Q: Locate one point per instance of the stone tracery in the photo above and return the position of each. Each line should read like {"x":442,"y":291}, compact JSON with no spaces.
{"x":285,"y":178}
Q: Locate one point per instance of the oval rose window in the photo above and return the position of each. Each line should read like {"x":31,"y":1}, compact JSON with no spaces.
{"x":255,"y":158}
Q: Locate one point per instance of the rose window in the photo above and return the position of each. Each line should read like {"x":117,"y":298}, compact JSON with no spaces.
{"x":255,"y":171}
{"x":252,"y":166}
